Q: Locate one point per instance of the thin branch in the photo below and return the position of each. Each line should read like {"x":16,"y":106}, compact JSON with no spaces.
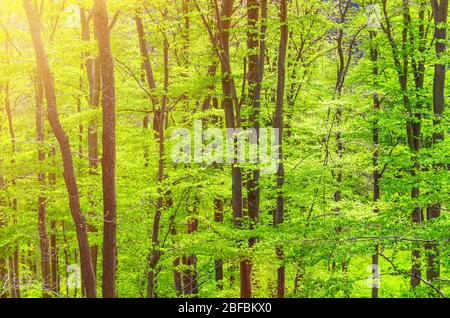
{"x":413,"y":275}
{"x":113,"y":21}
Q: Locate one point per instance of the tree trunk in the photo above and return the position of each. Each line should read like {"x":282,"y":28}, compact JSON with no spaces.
{"x":109,"y":149}
{"x":159,"y":128}
{"x":230,"y":105}
{"x":92,"y":66}
{"x":254,"y":79}
{"x":342,"y":67}
{"x":42,"y":200}
{"x":413,"y":127}
{"x":254,"y":82}
{"x":3,"y":268}
{"x":278,"y":217}
{"x":66,"y":154}
{"x":190,"y":285}
{"x":14,"y":260}
{"x":190,"y":275}
{"x":440,"y":13}
{"x":218,"y":263}
{"x":53,"y":240}
{"x":375,"y":165}
{"x":54,"y":258}
{"x":66,"y":256}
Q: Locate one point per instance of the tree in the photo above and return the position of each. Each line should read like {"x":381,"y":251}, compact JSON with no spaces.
{"x":42,"y":216}
{"x":69,"y":173}
{"x":109,"y":149}
{"x":92,"y":66}
{"x":278,"y":216}
{"x":440,"y":13}
{"x":355,"y":90}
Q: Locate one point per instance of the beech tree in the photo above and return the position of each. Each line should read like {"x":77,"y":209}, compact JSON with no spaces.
{"x":109,"y":149}
{"x":248,"y":149}
{"x":69,"y":173}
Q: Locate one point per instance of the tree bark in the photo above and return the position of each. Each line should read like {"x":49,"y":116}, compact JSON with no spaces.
{"x":42,"y":200}
{"x":14,"y":259}
{"x":232,"y":116}
{"x":3,"y":268}
{"x":340,"y":79}
{"x":278,"y":217}
{"x":53,"y":230}
{"x":92,"y":66}
{"x":254,"y":82}
{"x":69,"y":173}
{"x":440,"y":13}
{"x":413,"y":127}
{"x":375,"y":156}
{"x":414,"y":124}
{"x":109,"y":149}
{"x":159,"y":128}
{"x":218,"y":263}
{"x":54,"y":258}
{"x":230,"y":105}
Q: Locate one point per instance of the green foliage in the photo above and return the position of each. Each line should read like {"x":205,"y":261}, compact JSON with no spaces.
{"x":314,"y":249}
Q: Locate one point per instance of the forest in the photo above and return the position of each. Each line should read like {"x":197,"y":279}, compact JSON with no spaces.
{"x":224,"y":149}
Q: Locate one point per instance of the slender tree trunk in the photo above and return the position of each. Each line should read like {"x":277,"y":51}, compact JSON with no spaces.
{"x":440,"y":13}
{"x":53,"y":230}
{"x":342,"y":67}
{"x":42,"y":200}
{"x":413,"y":127}
{"x":278,"y":217}
{"x":375,"y":165}
{"x":92,"y":66}
{"x":109,"y":149}
{"x":15,"y":279}
{"x":232,"y":115}
{"x":15,"y":290}
{"x":146,"y":76}
{"x":230,"y":105}
{"x":80,"y":125}
{"x":148,"y":70}
{"x":190,"y":286}
{"x":177,"y":275}
{"x":3,"y":268}
{"x":414,"y":134}
{"x":218,"y":263}
{"x":253,"y":193}
{"x":254,"y":82}
{"x":218,"y":201}
{"x":69,"y":173}
{"x":413,"y":131}
{"x":159,"y":127}
{"x":148,"y":79}
{"x":66,"y":256}
{"x":208,"y":103}
{"x":190,"y":275}
{"x":54,"y":258}
{"x":3,"y":278}
{"x":14,"y":259}
{"x":341,"y":73}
